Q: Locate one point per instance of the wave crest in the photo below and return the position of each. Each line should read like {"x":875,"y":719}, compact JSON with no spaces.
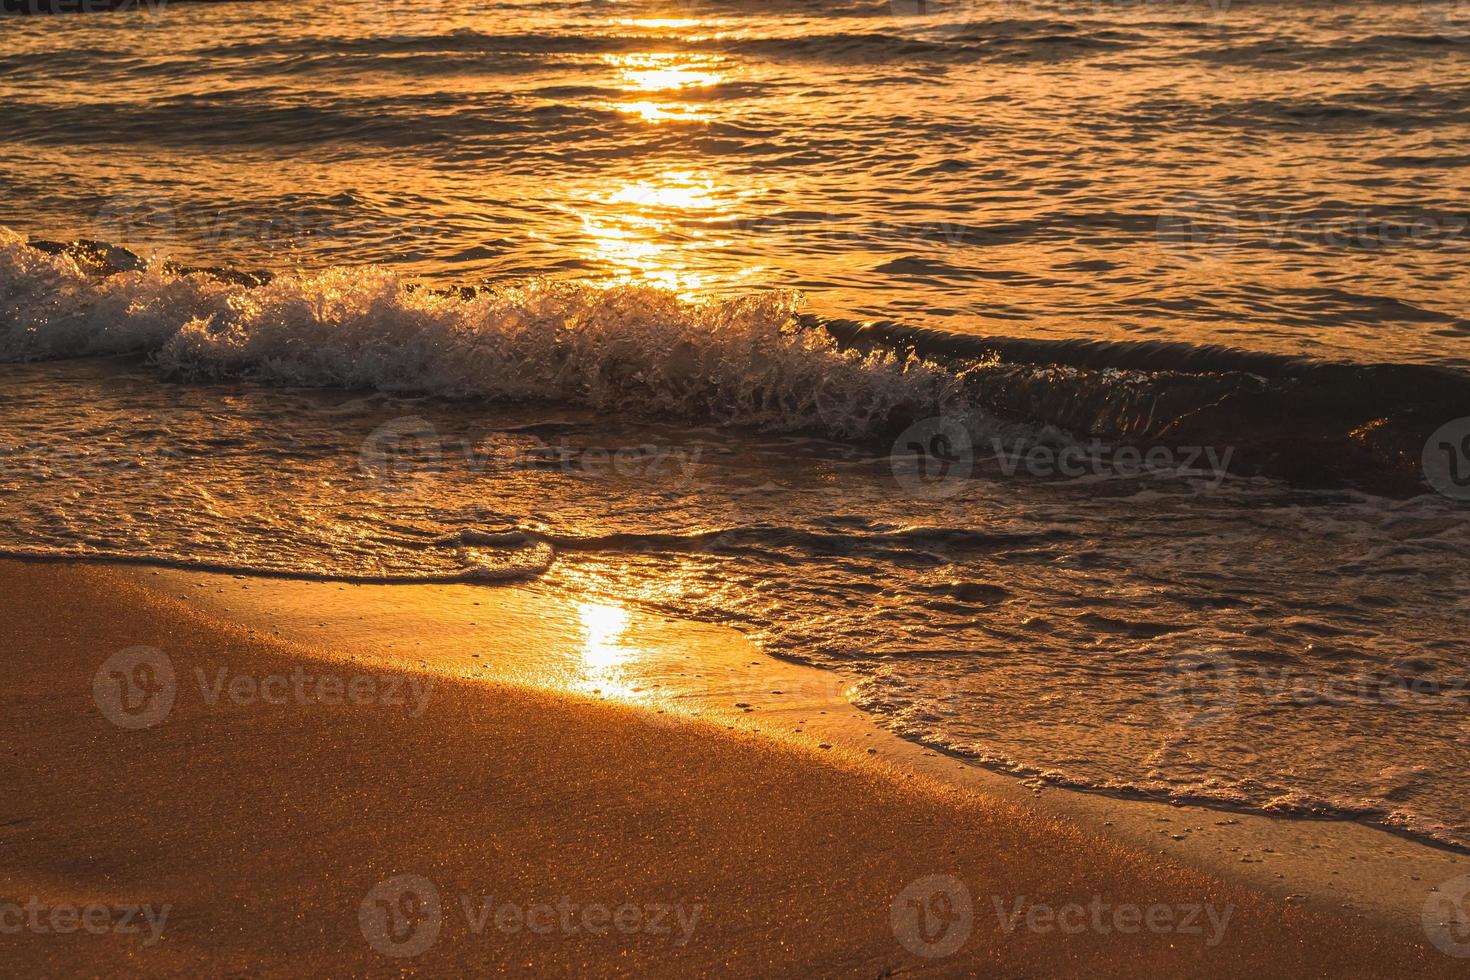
{"x":752,"y":360}
{"x":743,"y":361}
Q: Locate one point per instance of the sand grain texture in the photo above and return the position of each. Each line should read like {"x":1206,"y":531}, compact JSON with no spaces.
{"x":265,"y":826}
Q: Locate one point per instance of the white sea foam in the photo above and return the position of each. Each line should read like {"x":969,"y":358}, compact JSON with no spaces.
{"x":737,"y":361}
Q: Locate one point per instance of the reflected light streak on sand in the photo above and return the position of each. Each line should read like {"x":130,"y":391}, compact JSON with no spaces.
{"x":604,"y":652}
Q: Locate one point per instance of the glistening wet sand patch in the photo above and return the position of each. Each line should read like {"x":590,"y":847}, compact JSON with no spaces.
{"x":672,"y":673}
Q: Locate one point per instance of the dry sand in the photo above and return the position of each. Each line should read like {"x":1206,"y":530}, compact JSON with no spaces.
{"x":594,"y":840}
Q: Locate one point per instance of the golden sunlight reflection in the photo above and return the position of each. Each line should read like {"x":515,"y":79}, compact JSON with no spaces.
{"x":654,"y":230}
{"x":658,"y":23}
{"x":603,"y":626}
{"x":662,"y":72}
{"x":682,"y":190}
{"x":657,"y":112}
{"x":604,"y":651}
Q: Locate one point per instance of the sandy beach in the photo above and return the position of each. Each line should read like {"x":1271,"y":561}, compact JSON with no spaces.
{"x":861,"y":489}
{"x":268,"y":822}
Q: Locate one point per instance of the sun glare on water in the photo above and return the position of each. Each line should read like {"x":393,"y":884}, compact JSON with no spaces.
{"x":654,"y":230}
{"x":603,"y":626}
{"x":665,"y":71}
{"x":604,"y":652}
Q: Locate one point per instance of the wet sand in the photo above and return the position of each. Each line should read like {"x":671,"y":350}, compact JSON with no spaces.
{"x":674,"y":671}
{"x":275,"y":816}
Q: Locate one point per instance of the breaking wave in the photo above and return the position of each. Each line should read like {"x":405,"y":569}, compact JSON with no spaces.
{"x":741,"y":361}
{"x":754,"y":361}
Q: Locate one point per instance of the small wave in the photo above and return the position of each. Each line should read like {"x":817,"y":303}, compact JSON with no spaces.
{"x":981,"y":40}
{"x":741,"y":361}
{"x":243,"y":120}
{"x":1313,"y":422}
{"x":900,"y":714}
{"x":769,"y":537}
{"x":755,"y":361}
{"x":1278,"y":53}
{"x":470,"y":565}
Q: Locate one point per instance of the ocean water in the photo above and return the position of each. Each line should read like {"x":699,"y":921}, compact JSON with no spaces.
{"x":563,"y":291}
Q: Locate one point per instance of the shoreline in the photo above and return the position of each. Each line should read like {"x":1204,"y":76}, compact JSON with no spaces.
{"x":271,"y":830}
{"x":543,"y":643}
